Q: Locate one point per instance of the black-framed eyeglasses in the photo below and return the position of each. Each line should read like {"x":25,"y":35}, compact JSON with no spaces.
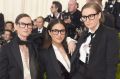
{"x":23,"y":25}
{"x":90,"y":17}
{"x":56,"y":31}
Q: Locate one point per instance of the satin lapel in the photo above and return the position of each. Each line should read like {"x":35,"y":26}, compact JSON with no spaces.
{"x":96,"y":41}
{"x":16,"y":53}
{"x":32,"y":62}
{"x":54,"y":60}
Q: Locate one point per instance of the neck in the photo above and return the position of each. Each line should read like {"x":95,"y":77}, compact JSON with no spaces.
{"x":73,"y":11}
{"x":40,"y":27}
{"x":59,"y":45}
{"x":56,"y":14}
{"x":92,"y":30}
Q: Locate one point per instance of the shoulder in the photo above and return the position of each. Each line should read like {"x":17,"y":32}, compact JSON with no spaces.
{"x":5,"y":48}
{"x":110,"y":31}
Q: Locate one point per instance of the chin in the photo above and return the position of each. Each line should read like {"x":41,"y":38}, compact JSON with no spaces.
{"x":26,"y":35}
{"x":58,"y":42}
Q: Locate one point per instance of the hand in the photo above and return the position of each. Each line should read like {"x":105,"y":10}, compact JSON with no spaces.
{"x":71,"y":47}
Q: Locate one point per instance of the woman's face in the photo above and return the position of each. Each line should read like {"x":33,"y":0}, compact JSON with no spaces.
{"x":91,"y":18}
{"x":57,"y":33}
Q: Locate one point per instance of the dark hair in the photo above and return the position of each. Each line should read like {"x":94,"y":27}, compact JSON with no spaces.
{"x":2,"y":22}
{"x":96,"y":7}
{"x":54,"y":22}
{"x":21,"y":16}
{"x":8,"y":31}
{"x":58,"y":5}
{"x":10,"y":23}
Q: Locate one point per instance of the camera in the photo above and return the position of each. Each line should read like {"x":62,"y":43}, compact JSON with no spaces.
{"x":65,"y":15}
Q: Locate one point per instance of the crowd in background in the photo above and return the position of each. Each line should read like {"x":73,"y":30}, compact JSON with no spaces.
{"x":71,"y":17}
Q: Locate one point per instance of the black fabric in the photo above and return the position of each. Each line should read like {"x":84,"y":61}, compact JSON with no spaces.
{"x":64,"y":73}
{"x":22,"y":42}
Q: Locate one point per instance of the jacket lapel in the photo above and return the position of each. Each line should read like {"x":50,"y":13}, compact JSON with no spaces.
{"x":54,"y":60}
{"x":32,"y":62}
{"x":95,"y":42}
{"x":16,"y":52}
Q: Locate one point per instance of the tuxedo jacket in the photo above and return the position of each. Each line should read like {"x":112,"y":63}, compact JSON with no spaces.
{"x":11,"y":66}
{"x":50,"y":65}
{"x":103,"y":55}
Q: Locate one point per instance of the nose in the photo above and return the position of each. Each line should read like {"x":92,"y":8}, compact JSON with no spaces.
{"x":26,"y":26}
{"x":59,"y":33}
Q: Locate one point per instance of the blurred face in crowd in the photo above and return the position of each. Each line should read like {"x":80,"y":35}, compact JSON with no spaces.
{"x":72,"y":6}
{"x":53,"y":8}
{"x":39,"y":22}
{"x":57,"y":33}
{"x":9,"y":26}
{"x":7,"y":35}
{"x":91,"y":18}
{"x":24,"y":27}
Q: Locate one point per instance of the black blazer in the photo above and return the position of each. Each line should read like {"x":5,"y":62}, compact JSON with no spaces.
{"x":49,"y":64}
{"x":103,"y":55}
{"x":11,"y":66}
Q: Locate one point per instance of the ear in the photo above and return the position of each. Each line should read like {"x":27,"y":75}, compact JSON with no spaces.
{"x":49,"y":32}
{"x":99,"y":15}
{"x":16,"y":26}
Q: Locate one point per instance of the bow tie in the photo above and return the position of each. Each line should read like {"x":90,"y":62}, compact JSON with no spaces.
{"x":89,"y":34}
{"x":92,"y":34}
{"x":22,"y":42}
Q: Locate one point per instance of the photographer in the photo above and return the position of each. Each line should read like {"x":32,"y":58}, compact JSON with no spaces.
{"x":71,"y":29}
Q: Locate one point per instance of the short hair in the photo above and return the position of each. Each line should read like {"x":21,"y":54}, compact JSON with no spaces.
{"x":96,"y":7}
{"x":21,"y":16}
{"x":11,"y":33}
{"x":10,"y":23}
{"x":41,"y":18}
{"x":58,"y":5}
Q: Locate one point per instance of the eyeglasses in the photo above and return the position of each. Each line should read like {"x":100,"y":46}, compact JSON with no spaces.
{"x":23,"y":25}
{"x":56,"y":31}
{"x":90,"y":17}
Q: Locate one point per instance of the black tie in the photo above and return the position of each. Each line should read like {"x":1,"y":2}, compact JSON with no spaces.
{"x":88,"y":55}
